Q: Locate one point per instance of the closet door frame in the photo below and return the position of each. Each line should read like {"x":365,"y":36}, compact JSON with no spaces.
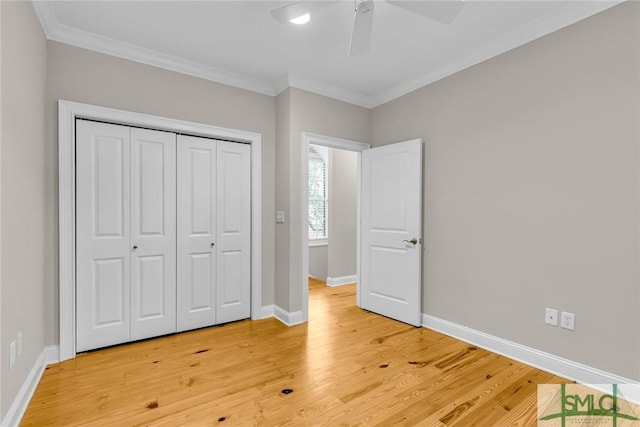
{"x":68,"y":112}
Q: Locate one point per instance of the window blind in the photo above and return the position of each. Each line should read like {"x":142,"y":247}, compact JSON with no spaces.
{"x":317,"y":198}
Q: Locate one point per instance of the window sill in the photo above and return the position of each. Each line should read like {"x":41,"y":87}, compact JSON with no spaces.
{"x":318,"y":242}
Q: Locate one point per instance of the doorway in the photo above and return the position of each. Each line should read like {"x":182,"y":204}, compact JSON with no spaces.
{"x":332,"y":218}
{"x":320,"y":141}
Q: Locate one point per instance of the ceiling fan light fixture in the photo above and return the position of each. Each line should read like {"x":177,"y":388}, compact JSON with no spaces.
{"x":302,"y":19}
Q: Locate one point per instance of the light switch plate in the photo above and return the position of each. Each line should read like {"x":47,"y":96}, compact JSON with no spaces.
{"x":279,"y":217}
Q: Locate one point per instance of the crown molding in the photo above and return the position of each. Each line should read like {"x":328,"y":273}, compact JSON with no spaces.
{"x":575,"y":11}
{"x":64,"y":34}
{"x":330,"y":91}
{"x":282,"y":84}
{"x":47,"y":16}
{"x":320,"y":88}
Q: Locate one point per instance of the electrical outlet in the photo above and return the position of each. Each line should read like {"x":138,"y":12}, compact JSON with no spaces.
{"x":551,"y":317}
{"x":568,"y":320}
{"x":12,"y":354}
{"x":19,"y":343}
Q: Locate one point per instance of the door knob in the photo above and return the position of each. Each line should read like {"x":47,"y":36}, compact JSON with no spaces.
{"x":135,"y":247}
{"x":213,"y":244}
{"x":413,"y":241}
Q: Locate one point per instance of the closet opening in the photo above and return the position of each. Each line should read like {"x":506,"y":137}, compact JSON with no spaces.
{"x":156,"y":140}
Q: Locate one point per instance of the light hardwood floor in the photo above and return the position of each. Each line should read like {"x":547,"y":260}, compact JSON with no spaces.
{"x":345,"y":366}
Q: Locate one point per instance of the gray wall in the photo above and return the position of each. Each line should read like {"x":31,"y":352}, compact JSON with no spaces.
{"x":84,"y":76}
{"x":24,"y":216}
{"x":343,"y":213}
{"x":318,"y":263}
{"x":532,"y":190}
{"x":283,"y":141}
{"x":2,"y":343}
{"x":305,"y":112}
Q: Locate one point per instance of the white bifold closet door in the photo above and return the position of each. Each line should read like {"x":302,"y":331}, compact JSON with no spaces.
{"x":196,"y":232}
{"x":233,"y":290}
{"x":125,"y":226}
{"x":163,"y":224}
{"x":153,"y":233}
{"x":214,"y":232}
{"x":103,"y":260}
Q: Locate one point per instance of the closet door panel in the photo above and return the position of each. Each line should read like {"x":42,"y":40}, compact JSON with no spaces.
{"x":234,"y":232}
{"x":102,"y":235}
{"x":153,"y":230}
{"x":196,"y":232}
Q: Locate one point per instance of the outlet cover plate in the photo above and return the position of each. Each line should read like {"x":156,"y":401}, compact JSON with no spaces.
{"x":568,"y":320}
{"x":551,"y":317}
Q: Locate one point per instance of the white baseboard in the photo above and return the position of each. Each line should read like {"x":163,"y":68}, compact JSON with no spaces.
{"x":51,"y":354}
{"x":538,"y":359}
{"x":289,"y":319}
{"x":20,"y":403}
{"x":266,"y":311}
{"x":342,"y":280}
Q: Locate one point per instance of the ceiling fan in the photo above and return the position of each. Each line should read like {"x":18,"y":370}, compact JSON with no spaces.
{"x":444,"y":11}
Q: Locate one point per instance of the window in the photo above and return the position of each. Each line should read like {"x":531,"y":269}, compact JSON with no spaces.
{"x":317,"y":197}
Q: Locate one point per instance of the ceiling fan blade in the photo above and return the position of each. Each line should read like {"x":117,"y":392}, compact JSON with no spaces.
{"x":286,"y":13}
{"x":362,"y":28}
{"x":444,"y":11}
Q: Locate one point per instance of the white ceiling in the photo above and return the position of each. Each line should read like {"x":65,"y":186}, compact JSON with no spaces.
{"x":239,"y":43}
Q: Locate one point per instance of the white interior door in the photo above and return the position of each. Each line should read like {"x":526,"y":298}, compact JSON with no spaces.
{"x":391,"y":235}
{"x":153,"y":233}
{"x":196,"y":232}
{"x":102,"y":235}
{"x":233,"y":290}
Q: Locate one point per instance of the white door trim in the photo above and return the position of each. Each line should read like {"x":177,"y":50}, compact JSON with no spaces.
{"x":341,"y":144}
{"x":67,"y":113}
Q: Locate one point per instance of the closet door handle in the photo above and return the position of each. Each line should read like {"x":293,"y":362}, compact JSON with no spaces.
{"x":213,"y":244}
{"x":135,"y":247}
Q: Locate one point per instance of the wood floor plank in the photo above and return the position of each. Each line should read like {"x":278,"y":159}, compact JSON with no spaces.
{"x":346,"y":366}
